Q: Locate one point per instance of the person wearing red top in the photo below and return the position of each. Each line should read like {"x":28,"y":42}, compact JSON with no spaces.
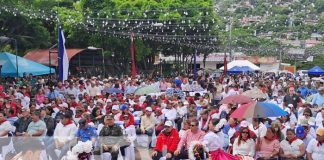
{"x":2,"y":94}
{"x":169,"y":137}
{"x":125,"y":110}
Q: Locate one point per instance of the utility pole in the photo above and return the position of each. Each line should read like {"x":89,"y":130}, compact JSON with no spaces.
{"x":230,"y":39}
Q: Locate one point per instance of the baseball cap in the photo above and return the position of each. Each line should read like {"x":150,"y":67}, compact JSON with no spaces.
{"x":300,"y":131}
{"x":123,"y":107}
{"x":67,"y":114}
{"x":244,"y":124}
{"x":149,"y":109}
{"x":100,"y":101}
{"x":168,"y":123}
{"x":290,"y":105}
{"x":115,"y":107}
{"x":288,"y":110}
{"x":320,"y":132}
{"x":109,"y":116}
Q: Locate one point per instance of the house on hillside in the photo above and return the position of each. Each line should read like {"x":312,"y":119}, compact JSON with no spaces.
{"x":316,"y":36}
{"x":311,"y":43}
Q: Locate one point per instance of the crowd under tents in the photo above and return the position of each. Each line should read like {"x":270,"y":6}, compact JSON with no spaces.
{"x":9,"y":66}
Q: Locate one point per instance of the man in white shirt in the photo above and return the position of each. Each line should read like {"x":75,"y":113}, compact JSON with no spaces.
{"x":320,"y":119}
{"x":169,"y":112}
{"x":315,"y":148}
{"x":5,"y":126}
{"x":71,"y":90}
{"x":93,"y":90}
{"x":64,"y":135}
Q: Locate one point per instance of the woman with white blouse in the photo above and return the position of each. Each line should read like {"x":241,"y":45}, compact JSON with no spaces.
{"x":244,"y":145}
{"x":130,"y":133}
{"x":214,"y":140}
{"x":292,"y":147}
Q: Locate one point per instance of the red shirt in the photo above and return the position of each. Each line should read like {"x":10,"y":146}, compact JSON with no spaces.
{"x":131,"y":118}
{"x":171,"y":141}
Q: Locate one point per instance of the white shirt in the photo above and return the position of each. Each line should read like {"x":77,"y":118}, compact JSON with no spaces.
{"x":170,"y":114}
{"x":130,"y":132}
{"x":292,"y":148}
{"x":259,"y":132}
{"x":213,"y":141}
{"x":65,"y":133}
{"x":319,"y":120}
{"x":93,"y":91}
{"x":6,"y":126}
{"x":316,"y":151}
{"x":245,"y":148}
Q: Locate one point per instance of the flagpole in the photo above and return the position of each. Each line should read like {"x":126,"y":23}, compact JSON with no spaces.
{"x":195,"y":65}
{"x":132,"y":47}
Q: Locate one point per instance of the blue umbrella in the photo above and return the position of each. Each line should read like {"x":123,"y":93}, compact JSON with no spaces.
{"x":112,"y":90}
{"x":258,"y":110}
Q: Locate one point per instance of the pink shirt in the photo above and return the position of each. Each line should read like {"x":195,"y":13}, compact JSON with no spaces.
{"x":189,"y":137}
{"x":40,"y":98}
{"x":266,"y":148}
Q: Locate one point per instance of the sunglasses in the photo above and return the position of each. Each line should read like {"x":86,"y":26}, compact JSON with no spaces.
{"x":307,"y":115}
{"x":246,"y":132}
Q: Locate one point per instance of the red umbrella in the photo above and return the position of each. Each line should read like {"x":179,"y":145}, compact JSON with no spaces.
{"x":236,"y":99}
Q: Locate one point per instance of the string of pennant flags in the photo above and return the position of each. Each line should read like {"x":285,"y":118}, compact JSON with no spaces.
{"x":198,"y":32}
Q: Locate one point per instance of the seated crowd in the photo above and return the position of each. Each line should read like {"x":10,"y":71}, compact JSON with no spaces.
{"x":57,"y":117}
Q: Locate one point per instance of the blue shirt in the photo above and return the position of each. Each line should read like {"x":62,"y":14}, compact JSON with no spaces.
{"x":318,"y":99}
{"x":304,"y":91}
{"x":53,"y":95}
{"x":86,"y":134}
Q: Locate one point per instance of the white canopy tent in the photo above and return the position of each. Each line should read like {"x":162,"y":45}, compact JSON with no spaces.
{"x":241,"y":63}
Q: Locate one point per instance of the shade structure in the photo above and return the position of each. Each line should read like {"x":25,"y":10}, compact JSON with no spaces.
{"x":241,"y":63}
{"x":236,"y":99}
{"x":258,"y":110}
{"x":9,"y":68}
{"x":254,"y":93}
{"x":240,"y":69}
{"x":316,"y":71}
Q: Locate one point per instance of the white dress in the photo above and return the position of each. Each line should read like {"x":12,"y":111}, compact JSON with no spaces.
{"x":213,"y":141}
{"x":130,"y":132}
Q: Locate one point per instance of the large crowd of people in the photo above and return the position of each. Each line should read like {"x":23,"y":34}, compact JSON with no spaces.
{"x":43,"y":118}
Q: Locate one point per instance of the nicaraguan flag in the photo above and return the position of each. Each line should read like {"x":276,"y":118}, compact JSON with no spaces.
{"x":63,"y":58}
